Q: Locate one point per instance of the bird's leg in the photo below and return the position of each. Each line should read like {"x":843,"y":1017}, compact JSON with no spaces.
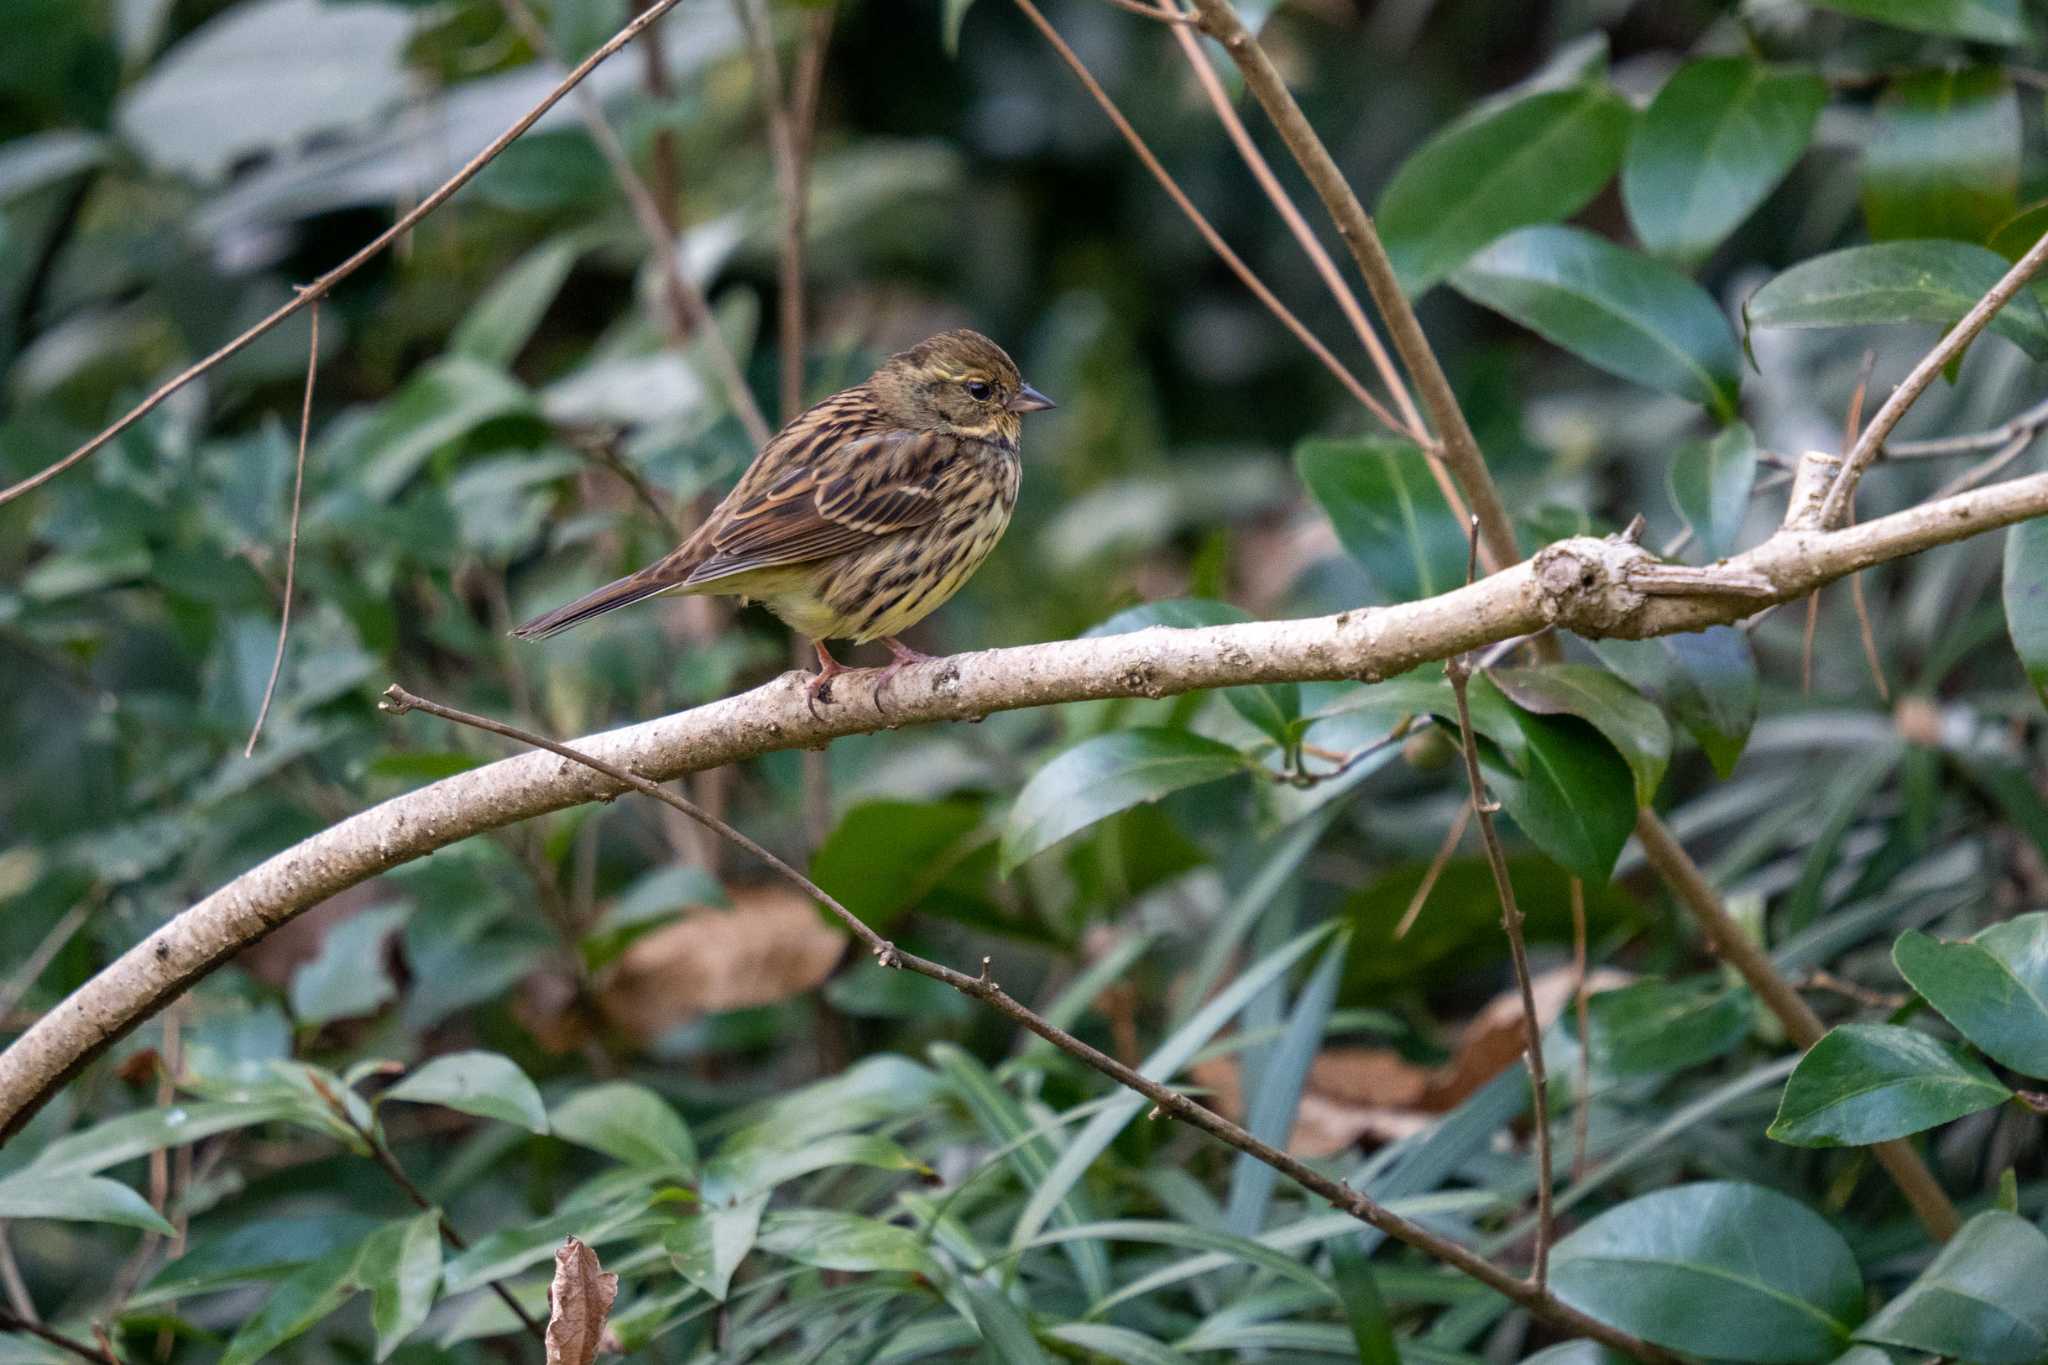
{"x":820,"y":688}
{"x":904,"y":657}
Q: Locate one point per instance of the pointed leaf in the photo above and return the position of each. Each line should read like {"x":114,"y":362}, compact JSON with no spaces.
{"x":300,"y":1300}
{"x":2026,"y":599}
{"x":1710,"y":485}
{"x":1658,"y":1026}
{"x":1273,"y":1094}
{"x":1388,"y":513}
{"x":502,"y":320}
{"x":709,"y":1247}
{"x":78,"y":1199}
{"x":580,"y":1298}
{"x":1980,"y":1300}
{"x":831,"y":1240}
{"x":1866,"y":1083}
{"x":1103,"y":775}
{"x":401,"y":1267}
{"x":480,"y":1083}
{"x":1993,"y":988}
{"x":1706,"y":679}
{"x":1003,"y":1329}
{"x":1635,"y":727}
{"x":1714,"y":142}
{"x":1537,"y":159}
{"x":1572,"y":794}
{"x":1628,"y":314}
{"x":628,"y":1123}
{"x":1944,"y":156}
{"x":1986,"y":21}
{"x":1892,"y":282}
{"x":1718,"y":1269}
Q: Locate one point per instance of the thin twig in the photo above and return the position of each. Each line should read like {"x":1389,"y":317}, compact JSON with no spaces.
{"x":319,"y":287}
{"x":1230,"y":258}
{"x":1458,"y":670}
{"x":602,"y":447}
{"x":1851,"y":424}
{"x":2028,"y":424}
{"x":1806,"y":644}
{"x":387,"y":1161}
{"x":291,"y":552}
{"x":52,"y":943}
{"x":1444,"y":850}
{"x":1933,"y":363}
{"x":13,"y":1322}
{"x":1679,"y":872}
{"x":686,"y":311}
{"x":1978,"y":473}
{"x":1582,"y":1078}
{"x":984,"y":988}
{"x":18,"y":1296}
{"x":1460,"y":447}
{"x":1154,"y":12}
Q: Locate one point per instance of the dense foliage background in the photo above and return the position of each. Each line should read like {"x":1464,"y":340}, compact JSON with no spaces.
{"x":610,"y":1028}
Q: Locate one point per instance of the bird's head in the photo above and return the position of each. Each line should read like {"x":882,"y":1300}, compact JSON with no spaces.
{"x":957,"y":381}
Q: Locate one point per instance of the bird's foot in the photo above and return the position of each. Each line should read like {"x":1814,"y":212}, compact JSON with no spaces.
{"x":904,"y":656}
{"x":820,"y":687}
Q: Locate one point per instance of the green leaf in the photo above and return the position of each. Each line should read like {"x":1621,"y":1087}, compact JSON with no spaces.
{"x":952,"y":15}
{"x":831,"y":1240}
{"x":2016,"y":235}
{"x":1272,"y":707}
{"x":2026,"y":599}
{"x":300,"y":1300}
{"x":1103,"y":775}
{"x":441,"y":402}
{"x":1717,"y":1269}
{"x":1273,"y":1091}
{"x":747,"y":1168}
{"x":628,"y":1123}
{"x":348,"y":978}
{"x":1710,"y":483}
{"x":1986,"y":21}
{"x":132,"y":1135}
{"x":1944,"y":156}
{"x":1652,"y":1027}
{"x":1535,"y":160}
{"x":1993,"y":988}
{"x":401,"y":1267}
{"x":1980,"y":1300}
{"x":1635,"y":727}
{"x":1866,"y":1083}
{"x":1364,"y":1309}
{"x":709,"y":1247}
{"x":480,"y":1083}
{"x":1116,"y":1343}
{"x":78,"y":1199}
{"x":500,"y":323}
{"x":251,"y":1250}
{"x":1388,"y":513}
{"x":1628,"y":314}
{"x":1893,"y":282}
{"x":1713,"y":144}
{"x":511,"y":1250}
{"x":1571,"y":793}
{"x":883,"y":855}
{"x":1706,"y":679}
{"x":1003,"y":1329}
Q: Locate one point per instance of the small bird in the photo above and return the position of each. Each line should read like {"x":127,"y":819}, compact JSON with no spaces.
{"x":865,"y":513}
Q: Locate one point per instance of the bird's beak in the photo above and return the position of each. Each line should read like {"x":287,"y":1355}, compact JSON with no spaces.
{"x":1029,"y":399}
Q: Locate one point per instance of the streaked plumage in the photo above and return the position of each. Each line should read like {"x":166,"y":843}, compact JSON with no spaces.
{"x":866,"y":512}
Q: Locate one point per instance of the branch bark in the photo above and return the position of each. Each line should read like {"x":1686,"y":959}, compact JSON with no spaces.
{"x":1593,"y":587}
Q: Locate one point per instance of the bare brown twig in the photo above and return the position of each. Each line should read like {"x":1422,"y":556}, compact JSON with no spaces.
{"x":1458,"y":670}
{"x":1435,"y":870}
{"x":984,"y":988}
{"x":13,"y":1322}
{"x":319,"y":288}
{"x":291,"y":552}
{"x":1582,"y":1078}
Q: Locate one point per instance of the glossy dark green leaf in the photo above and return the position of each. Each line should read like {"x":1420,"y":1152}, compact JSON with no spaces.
{"x":480,"y":1083}
{"x":1993,"y":988}
{"x":1634,"y":726}
{"x":708,"y":1247}
{"x":831,"y":1240}
{"x":1388,"y":513}
{"x":300,"y":1300}
{"x":1710,"y":483}
{"x":1891,"y":282}
{"x":1535,"y":160}
{"x":1706,"y":679}
{"x":1944,"y":156}
{"x":884,"y":854}
{"x":1272,"y":707}
{"x":401,"y":1267}
{"x":1866,"y":1083}
{"x":1103,"y":775}
{"x":2026,"y":599}
{"x":252,"y":1250}
{"x":1571,"y":793}
{"x":1981,"y":1300}
{"x":1714,"y":142}
{"x":1986,"y":21}
{"x":1364,"y":1309}
{"x":78,"y":1199}
{"x":1718,"y":1269}
{"x":1654,"y":1026}
{"x":628,"y":1123}
{"x":1626,"y":313}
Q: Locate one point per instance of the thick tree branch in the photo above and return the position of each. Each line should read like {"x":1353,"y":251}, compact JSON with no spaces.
{"x":1595,"y":587}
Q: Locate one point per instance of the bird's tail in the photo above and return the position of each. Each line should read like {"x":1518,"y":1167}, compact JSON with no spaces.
{"x":624,"y":592}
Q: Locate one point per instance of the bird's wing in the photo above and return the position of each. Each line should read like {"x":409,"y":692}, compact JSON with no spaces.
{"x":841,"y":499}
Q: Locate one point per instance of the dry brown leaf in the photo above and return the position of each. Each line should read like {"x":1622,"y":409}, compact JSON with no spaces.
{"x":1492,"y":1041}
{"x":579,"y":1300}
{"x":771,"y":945}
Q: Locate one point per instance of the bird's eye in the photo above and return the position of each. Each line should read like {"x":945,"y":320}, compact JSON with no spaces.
{"x":978,"y":390}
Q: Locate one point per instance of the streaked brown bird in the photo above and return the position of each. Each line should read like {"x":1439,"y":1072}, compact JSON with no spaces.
{"x":865,"y":513}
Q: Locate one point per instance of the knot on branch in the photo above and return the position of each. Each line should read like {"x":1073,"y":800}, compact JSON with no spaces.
{"x":1583,"y":584}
